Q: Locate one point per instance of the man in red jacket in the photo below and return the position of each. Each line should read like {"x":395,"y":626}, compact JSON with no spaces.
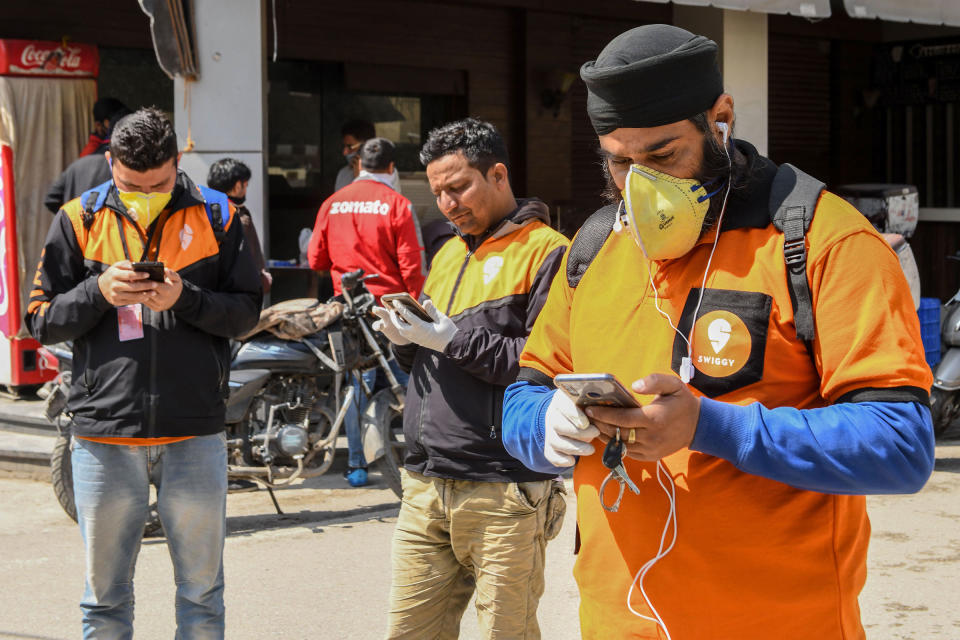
{"x":367,"y":225}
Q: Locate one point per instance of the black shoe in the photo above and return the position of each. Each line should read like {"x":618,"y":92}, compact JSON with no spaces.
{"x":241,"y":486}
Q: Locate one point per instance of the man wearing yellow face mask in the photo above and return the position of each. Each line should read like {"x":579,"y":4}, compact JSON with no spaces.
{"x":150,"y":368}
{"x":731,"y":293}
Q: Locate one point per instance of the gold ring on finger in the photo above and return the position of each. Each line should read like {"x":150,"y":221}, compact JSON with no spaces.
{"x":631,"y":436}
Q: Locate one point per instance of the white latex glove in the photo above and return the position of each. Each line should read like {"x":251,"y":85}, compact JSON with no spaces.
{"x":434,"y":335}
{"x":567,"y":432}
{"x":387,"y":326}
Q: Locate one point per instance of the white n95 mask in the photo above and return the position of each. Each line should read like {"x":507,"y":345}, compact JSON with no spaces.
{"x":664,"y":214}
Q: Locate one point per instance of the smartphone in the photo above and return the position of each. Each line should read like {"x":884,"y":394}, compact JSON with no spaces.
{"x":591,"y":389}
{"x":155,"y":269}
{"x":409,"y":302}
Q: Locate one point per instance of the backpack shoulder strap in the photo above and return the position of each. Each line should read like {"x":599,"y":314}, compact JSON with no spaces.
{"x":218,"y":211}
{"x":793,"y":200}
{"x":588,"y":242}
{"x":92,"y":200}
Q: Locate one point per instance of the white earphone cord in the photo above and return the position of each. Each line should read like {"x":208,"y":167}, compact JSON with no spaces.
{"x":662,"y":471}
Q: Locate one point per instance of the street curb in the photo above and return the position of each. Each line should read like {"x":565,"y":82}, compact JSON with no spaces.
{"x":23,"y":422}
{"x":24,"y":468}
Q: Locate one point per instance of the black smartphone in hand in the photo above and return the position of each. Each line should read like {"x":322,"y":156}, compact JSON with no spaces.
{"x":155,"y":269}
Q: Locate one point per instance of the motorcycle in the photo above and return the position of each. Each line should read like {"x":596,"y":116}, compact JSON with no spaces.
{"x":945,"y":393}
{"x":287,"y":403}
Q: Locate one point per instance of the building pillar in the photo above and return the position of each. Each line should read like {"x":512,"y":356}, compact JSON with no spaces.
{"x":742,"y":37}
{"x":224,"y":111}
{"x":549,"y":76}
{"x":744,"y":50}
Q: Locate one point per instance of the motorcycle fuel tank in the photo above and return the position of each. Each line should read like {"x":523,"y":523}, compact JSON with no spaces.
{"x":270,"y":352}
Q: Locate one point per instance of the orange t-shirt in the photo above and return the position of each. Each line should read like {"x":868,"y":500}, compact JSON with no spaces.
{"x":137,"y":442}
{"x":754,"y":558}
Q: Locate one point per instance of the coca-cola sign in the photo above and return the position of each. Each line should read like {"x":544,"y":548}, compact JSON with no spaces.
{"x":35,"y":58}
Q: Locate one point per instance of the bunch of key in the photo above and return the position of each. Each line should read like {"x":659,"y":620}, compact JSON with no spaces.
{"x":613,"y":459}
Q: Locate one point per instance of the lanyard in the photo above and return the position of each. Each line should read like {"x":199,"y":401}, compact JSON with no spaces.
{"x":155,"y":228}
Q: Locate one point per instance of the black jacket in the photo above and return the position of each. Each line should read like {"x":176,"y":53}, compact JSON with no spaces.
{"x":492,"y":287}
{"x":173,"y":380}
{"x":82,"y":174}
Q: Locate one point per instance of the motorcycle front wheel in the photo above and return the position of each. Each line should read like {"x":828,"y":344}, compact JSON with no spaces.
{"x":944,"y":406}
{"x":389,"y":420}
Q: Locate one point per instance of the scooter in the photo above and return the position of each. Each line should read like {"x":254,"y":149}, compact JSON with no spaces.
{"x":945,"y":394}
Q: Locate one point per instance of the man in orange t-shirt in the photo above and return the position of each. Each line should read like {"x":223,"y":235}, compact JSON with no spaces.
{"x":151,"y":364}
{"x":752,"y":448}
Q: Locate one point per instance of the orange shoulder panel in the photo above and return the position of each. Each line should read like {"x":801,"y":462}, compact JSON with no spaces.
{"x":188,"y":238}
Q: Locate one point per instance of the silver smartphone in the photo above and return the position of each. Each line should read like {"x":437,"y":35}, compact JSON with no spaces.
{"x":590,"y":389}
{"x":407,"y":301}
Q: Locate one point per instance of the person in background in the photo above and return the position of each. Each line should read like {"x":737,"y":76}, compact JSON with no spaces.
{"x":352,"y":136}
{"x":368,"y":225}
{"x":435,"y":235}
{"x":231,"y":177}
{"x":91,"y":168}
{"x":105,"y":112}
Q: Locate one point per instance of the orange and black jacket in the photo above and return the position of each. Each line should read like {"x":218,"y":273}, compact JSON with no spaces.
{"x":174,"y":380}
{"x":493,"y":287}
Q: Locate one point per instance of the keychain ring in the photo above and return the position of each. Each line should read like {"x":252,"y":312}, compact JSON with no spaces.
{"x":616,"y":505}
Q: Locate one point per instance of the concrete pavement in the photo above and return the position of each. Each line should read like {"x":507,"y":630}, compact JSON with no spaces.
{"x":322,"y":570}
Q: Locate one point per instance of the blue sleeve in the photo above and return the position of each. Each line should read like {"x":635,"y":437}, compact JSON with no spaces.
{"x":524,"y":408}
{"x":851,"y":448}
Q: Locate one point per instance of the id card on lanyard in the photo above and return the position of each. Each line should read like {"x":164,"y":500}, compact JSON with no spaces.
{"x":130,"y":322}
{"x":130,"y":317}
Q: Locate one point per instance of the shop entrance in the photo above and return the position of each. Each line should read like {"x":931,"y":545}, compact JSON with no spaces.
{"x":307,"y":104}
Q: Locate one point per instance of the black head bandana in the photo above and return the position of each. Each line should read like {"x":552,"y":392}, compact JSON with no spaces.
{"x":651,"y":76}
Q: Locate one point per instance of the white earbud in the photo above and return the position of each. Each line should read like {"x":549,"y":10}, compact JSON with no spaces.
{"x":725,"y":128}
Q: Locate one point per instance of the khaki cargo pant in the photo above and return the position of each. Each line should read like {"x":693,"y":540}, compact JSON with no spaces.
{"x":456,"y":536}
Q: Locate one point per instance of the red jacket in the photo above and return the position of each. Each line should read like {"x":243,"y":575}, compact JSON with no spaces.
{"x":367,"y":225}
{"x":94,"y":142}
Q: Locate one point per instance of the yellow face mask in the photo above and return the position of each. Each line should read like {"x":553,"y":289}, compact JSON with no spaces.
{"x":664,"y":214}
{"x":144,"y":207}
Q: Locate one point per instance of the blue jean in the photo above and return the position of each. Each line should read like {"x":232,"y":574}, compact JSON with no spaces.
{"x":373,"y":379}
{"x":112,"y":490}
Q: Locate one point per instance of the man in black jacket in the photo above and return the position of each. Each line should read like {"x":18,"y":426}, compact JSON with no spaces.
{"x":91,"y":168}
{"x":473,"y":518}
{"x":151,"y":366}
{"x":230,"y":176}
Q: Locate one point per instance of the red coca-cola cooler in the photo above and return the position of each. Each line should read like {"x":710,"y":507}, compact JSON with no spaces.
{"x":47,"y":91}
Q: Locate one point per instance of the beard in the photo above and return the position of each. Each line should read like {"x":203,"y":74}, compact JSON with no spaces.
{"x":714,"y":167}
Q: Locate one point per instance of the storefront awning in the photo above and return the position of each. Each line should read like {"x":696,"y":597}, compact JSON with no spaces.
{"x":924,"y":11}
{"x":803,"y":8}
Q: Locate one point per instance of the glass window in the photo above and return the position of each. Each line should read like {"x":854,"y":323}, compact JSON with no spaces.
{"x":307,"y":104}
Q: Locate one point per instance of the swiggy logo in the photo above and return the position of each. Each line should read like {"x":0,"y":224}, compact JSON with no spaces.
{"x":721,"y":344}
